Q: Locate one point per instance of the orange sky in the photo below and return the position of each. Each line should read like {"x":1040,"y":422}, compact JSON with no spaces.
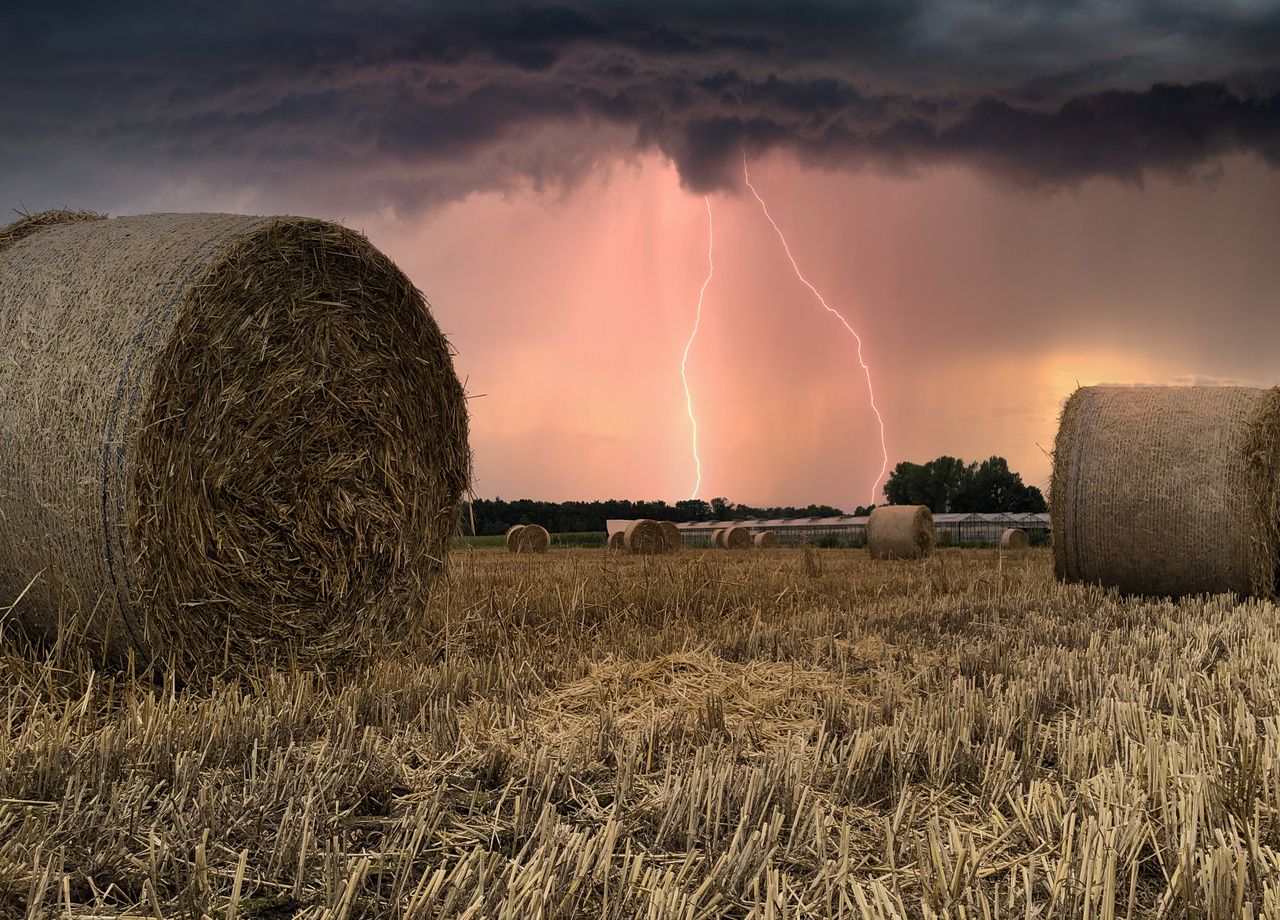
{"x":980,"y":308}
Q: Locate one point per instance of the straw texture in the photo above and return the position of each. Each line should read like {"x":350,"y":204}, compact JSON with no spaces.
{"x":1168,"y":491}
{"x":1014,"y":538}
{"x":617,"y":541}
{"x":900,"y":532}
{"x":717,"y":538}
{"x":222,"y":438}
{"x":736,"y":537}
{"x":765,"y":539}
{"x":528,"y":538}
{"x":672,"y":534}
{"x":644,"y":537}
{"x":513,"y":537}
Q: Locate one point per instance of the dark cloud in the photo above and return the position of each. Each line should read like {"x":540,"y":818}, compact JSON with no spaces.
{"x":405,"y":103}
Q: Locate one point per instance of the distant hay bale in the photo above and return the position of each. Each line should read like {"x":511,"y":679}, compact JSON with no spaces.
{"x":1168,"y":491}
{"x":528,"y":538}
{"x":223,"y":439}
{"x":645,"y":538}
{"x":513,"y":537}
{"x":736,"y":537}
{"x":766,"y":539}
{"x":900,"y":532}
{"x":1014,"y":538}
{"x":717,"y":538}
{"x":617,"y":541}
{"x":672,"y":534}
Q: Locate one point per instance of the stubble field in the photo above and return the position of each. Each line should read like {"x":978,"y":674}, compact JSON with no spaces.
{"x":760,"y":734}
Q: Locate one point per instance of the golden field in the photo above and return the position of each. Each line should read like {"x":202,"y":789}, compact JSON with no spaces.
{"x":776,"y":734}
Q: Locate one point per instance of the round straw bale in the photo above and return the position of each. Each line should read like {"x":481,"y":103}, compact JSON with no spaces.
{"x":1014,"y":538}
{"x":736,"y":537}
{"x":617,"y":541}
{"x":1167,"y":491}
{"x":672,"y":534}
{"x":513,"y":537}
{"x":765,"y":539}
{"x":223,"y":439}
{"x":645,"y":537}
{"x":900,"y":532}
{"x":717,"y":538}
{"x":531,"y":538}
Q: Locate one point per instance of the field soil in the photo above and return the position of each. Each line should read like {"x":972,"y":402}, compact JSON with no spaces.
{"x":767,"y":734}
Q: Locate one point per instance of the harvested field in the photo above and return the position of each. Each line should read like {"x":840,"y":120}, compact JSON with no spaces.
{"x":770,"y":734}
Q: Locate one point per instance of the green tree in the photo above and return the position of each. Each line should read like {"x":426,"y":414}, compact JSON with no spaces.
{"x":948,"y":484}
{"x":936,"y":483}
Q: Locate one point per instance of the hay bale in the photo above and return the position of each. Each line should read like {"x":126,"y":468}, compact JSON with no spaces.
{"x":1014,"y":538}
{"x":736,"y":537}
{"x":223,"y":439}
{"x":717,"y":538}
{"x":528,"y":538}
{"x":644,"y":537}
{"x":900,"y":532}
{"x":513,"y":537}
{"x":1167,"y":491}
{"x":765,"y":539}
{"x":672,"y":534}
{"x":617,"y":541}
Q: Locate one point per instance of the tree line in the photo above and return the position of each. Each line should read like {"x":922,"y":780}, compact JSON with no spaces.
{"x":948,"y":484}
{"x":944,"y":484}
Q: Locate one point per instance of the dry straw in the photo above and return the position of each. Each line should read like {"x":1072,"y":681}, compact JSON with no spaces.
{"x":766,"y":539}
{"x":1014,"y":538}
{"x":513,"y":537}
{"x":528,"y":538}
{"x":1168,"y":491}
{"x":222,"y":438}
{"x":717,"y":538}
{"x":736,"y":537}
{"x":617,"y":541}
{"x":645,"y":537}
{"x":672,"y":534}
{"x":900,"y":532}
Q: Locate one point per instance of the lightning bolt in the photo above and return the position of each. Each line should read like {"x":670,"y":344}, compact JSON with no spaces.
{"x":684,"y":362}
{"x":884,"y":450}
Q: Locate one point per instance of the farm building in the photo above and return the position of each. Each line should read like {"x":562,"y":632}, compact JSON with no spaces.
{"x":848,"y":530}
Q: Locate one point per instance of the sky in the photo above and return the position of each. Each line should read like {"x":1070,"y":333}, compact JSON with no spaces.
{"x":1004,"y":200}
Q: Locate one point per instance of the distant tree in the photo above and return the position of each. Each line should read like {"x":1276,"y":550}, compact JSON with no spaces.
{"x":695,"y":509}
{"x":935,"y":483}
{"x":721,"y":509}
{"x":948,"y":484}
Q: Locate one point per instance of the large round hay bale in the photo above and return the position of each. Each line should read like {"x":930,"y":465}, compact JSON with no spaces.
{"x":644,"y":537}
{"x":736,"y":537}
{"x":223,"y":439}
{"x":900,"y":532}
{"x":512,"y":538}
{"x":1168,"y":491}
{"x":717,"y":538}
{"x":528,"y":538}
{"x":672,"y":534}
{"x":1014,"y":538}
{"x":617,"y":541}
{"x":765,"y":539}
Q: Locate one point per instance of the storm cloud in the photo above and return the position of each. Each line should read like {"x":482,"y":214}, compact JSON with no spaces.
{"x":406,"y":105}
